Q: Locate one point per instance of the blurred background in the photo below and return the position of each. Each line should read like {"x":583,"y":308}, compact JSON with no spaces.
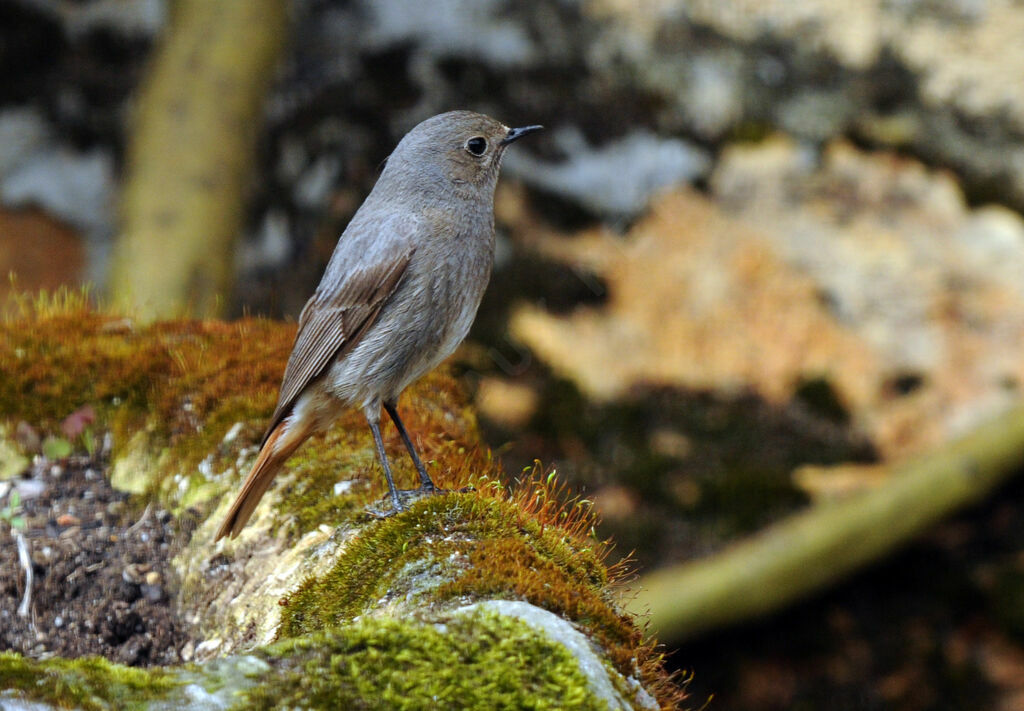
{"x":762,"y":251}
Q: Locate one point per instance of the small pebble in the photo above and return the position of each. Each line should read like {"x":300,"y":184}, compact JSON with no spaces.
{"x":58,"y":621}
{"x":30,"y":488}
{"x":208,"y":646}
{"x":134,"y":572}
{"x":68,"y":520}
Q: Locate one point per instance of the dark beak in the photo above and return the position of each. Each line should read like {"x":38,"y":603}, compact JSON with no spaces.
{"x":514,"y":134}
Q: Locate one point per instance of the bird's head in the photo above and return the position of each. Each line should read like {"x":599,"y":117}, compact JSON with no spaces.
{"x":458,"y":150}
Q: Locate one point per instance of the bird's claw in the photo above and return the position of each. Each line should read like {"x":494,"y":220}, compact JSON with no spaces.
{"x":407,"y":496}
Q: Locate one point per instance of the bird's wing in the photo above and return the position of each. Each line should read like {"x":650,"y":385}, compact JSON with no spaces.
{"x":334,"y":320}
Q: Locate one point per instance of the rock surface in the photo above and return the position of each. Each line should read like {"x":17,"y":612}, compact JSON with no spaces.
{"x":937,"y":77}
{"x":867,"y":270}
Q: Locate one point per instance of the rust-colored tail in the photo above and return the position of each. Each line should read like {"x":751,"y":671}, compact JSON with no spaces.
{"x":279,"y":445}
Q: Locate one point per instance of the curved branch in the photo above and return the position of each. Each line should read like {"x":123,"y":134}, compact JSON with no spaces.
{"x":817,"y":547}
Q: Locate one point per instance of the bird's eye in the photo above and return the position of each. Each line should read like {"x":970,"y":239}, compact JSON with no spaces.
{"x":477,"y":145}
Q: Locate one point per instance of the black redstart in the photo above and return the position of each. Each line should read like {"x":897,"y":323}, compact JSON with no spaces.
{"x":399,"y":294}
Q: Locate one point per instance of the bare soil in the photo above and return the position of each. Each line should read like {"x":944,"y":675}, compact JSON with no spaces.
{"x":102,"y":583}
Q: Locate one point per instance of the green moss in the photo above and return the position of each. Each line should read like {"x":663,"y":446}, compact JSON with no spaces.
{"x":368,"y":568}
{"x":170,"y":392}
{"x":474,"y":546}
{"x":478,"y":661}
{"x":475,"y":661}
{"x":512,"y":569}
{"x":87,"y":683}
{"x":442,"y":530}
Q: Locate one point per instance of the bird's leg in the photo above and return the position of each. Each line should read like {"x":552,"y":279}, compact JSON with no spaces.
{"x":374,"y":422}
{"x":426,"y":485}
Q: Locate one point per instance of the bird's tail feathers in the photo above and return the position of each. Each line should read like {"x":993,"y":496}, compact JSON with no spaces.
{"x":280,"y":444}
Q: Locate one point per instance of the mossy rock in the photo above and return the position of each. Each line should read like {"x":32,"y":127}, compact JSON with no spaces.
{"x":489,"y":596}
{"x":478,"y":658}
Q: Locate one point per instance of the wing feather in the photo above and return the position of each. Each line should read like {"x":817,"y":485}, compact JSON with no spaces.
{"x":332,"y":323}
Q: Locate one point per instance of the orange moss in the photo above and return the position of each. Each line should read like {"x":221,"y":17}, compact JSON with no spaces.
{"x":511,"y":568}
{"x":185,"y":382}
{"x":533,"y":567}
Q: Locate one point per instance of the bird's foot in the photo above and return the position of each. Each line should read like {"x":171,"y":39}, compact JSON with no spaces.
{"x":407,"y":497}
{"x":377,"y":513}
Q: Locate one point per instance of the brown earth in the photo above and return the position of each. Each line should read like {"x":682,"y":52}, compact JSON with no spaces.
{"x":102,"y":584}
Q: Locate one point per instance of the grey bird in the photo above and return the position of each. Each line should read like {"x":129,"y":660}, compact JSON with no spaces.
{"x":399,"y":294}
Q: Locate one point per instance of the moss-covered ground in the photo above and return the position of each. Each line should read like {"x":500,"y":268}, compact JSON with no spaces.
{"x":477,"y":661}
{"x":480,"y":660}
{"x":88,"y":683}
{"x":528,"y":544}
{"x":184,"y":384}
{"x":186,"y":403}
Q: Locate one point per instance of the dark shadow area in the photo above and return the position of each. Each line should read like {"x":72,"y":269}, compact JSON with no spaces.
{"x":930,"y":628}
{"x":677,"y":473}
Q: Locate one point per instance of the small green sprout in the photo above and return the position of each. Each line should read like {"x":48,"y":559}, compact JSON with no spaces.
{"x":9,"y":513}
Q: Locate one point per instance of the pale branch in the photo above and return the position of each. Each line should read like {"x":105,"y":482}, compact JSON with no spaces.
{"x":827,"y":542}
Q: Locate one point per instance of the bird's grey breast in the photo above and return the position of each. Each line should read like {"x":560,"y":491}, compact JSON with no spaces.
{"x":431,"y":309}
{"x":450,"y":273}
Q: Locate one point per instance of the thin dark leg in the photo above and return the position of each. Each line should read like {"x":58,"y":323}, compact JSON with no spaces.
{"x":425,"y":481}
{"x":375,"y":428}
